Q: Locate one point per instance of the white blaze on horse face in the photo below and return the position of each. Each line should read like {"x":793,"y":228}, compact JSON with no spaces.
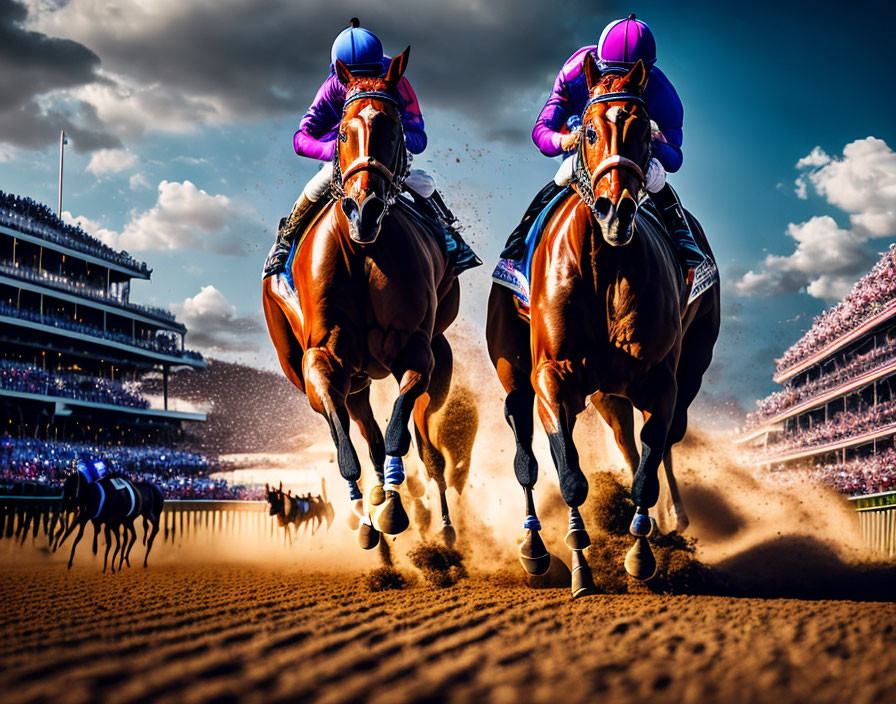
{"x":613,"y":113}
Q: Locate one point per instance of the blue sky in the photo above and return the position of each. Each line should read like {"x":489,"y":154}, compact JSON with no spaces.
{"x":182,"y":114}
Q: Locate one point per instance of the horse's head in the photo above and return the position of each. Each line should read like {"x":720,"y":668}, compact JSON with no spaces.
{"x":614,"y":149}
{"x":74,"y":490}
{"x":275,"y":499}
{"x":371,"y":159}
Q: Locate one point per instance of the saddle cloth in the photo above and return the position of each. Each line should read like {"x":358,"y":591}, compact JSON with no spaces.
{"x":517,"y":274}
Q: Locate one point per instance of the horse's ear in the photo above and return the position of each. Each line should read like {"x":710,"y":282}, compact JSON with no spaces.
{"x":397,"y":67}
{"x":592,"y":72}
{"x":638,"y":76}
{"x":342,"y":73}
{"x":281,"y":486}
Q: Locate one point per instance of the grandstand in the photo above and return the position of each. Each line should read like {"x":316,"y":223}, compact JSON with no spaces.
{"x":74,"y":350}
{"x":836,"y":412}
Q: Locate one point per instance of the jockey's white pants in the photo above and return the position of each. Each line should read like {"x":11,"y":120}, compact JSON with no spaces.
{"x":418,"y":180}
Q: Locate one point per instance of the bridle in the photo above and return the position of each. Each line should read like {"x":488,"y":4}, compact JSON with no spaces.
{"x":584,"y":177}
{"x":394,"y":177}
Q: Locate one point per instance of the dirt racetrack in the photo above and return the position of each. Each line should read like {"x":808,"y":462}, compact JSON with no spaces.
{"x":210,"y":633}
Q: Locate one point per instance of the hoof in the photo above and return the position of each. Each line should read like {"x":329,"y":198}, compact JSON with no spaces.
{"x":582,"y":581}
{"x":391,"y":517}
{"x":534,"y":556}
{"x":558,"y":576}
{"x":642,"y":526}
{"x":368,"y":536}
{"x":577,"y":539}
{"x":353,"y":521}
{"x":449,"y":535}
{"x":377,"y":495}
{"x":639,"y":561}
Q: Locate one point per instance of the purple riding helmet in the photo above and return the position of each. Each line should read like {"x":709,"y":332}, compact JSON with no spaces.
{"x":625,"y":42}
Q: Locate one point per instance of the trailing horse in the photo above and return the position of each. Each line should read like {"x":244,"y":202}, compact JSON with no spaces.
{"x":368,"y":292}
{"x":110,"y":502}
{"x":610,"y":319}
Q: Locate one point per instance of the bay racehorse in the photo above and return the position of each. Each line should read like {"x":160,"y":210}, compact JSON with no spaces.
{"x":368,"y":292}
{"x":609,"y":320}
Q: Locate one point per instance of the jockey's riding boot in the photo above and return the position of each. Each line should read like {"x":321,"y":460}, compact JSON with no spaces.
{"x":460,"y":253}
{"x":516,"y":244}
{"x":666,"y":200}
{"x":286,"y":233}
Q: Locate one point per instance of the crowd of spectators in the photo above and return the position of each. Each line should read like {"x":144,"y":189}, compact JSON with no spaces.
{"x":158,"y":343}
{"x":843,"y":425}
{"x":30,"y":378}
{"x":63,"y":283}
{"x":181,"y":475}
{"x":29,"y":216}
{"x":866,"y":475}
{"x":868,"y":297}
{"x":791,"y":395}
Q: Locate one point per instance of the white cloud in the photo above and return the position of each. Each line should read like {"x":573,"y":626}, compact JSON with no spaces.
{"x":187,"y":218}
{"x":828,"y":259}
{"x":817,"y":157}
{"x":137,"y":181}
{"x":91,"y":227}
{"x":213,"y":325}
{"x":111,"y":161}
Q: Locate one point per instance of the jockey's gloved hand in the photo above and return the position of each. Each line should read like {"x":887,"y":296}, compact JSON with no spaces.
{"x":570,"y":141}
{"x":656,"y":176}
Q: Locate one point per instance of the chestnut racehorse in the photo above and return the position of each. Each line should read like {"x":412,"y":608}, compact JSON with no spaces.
{"x":368,"y":292}
{"x":609,"y":321}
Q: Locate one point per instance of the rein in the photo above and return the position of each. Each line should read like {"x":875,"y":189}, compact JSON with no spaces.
{"x":584,"y":178}
{"x":394,"y":177}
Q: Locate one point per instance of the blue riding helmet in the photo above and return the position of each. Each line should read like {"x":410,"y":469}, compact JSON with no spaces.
{"x":359,"y":49}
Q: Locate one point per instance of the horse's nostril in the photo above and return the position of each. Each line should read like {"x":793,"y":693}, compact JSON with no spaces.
{"x":626,"y":208}
{"x":373,"y":209}
{"x":602,"y":207}
{"x":350,"y":209}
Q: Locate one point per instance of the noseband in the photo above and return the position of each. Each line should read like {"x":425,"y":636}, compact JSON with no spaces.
{"x":585,"y":177}
{"x":394,"y":177}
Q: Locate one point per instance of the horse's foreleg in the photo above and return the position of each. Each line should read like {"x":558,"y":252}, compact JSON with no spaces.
{"x":559,"y":402}
{"x":81,"y":526}
{"x":327,"y":386}
{"x":412,"y":368}
{"x":429,"y":444}
{"x":619,"y":415}
{"x":96,"y":533}
{"x":358,"y":406}
{"x":107,"y":533}
{"x":133,"y":532}
{"x":152,"y":536}
{"x":672,"y":507}
{"x":659,"y":390}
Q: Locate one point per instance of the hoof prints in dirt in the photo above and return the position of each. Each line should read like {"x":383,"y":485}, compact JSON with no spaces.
{"x":441,"y":566}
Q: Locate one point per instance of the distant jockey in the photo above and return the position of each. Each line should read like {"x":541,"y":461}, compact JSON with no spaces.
{"x":622,"y":44}
{"x":362,"y":52}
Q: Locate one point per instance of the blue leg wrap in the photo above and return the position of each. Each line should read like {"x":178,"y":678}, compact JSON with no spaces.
{"x":394,"y":471}
{"x":642,"y":526}
{"x":532,"y":523}
{"x":354,"y":491}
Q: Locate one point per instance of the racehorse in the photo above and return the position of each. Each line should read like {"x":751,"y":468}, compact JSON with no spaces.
{"x":151,"y":503}
{"x":299,"y":510}
{"x":368,"y":291}
{"x":110,"y":502}
{"x":609,"y":319}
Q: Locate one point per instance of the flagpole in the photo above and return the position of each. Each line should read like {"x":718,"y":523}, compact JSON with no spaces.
{"x":62,"y":142}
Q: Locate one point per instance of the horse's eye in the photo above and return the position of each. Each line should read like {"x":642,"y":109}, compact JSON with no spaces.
{"x":590,"y":135}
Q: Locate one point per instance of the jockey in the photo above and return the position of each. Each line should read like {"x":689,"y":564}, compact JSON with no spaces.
{"x":622,"y":43}
{"x":362,"y":52}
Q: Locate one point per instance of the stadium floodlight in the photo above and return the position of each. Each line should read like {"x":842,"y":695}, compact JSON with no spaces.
{"x":63,"y":140}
